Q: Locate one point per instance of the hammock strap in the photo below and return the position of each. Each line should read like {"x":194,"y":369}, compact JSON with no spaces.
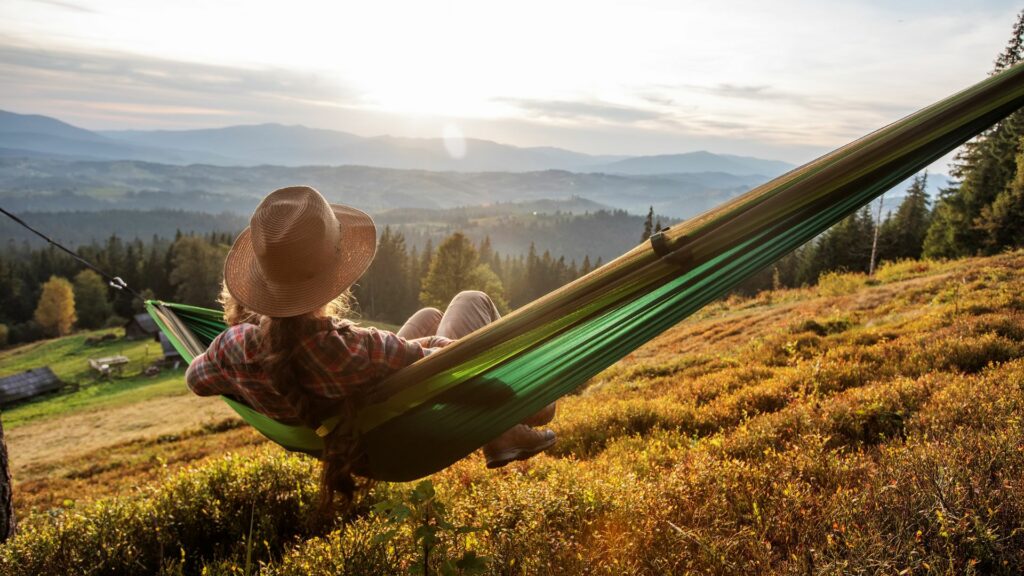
{"x":680,"y":255}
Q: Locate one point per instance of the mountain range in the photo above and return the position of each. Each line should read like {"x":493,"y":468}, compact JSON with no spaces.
{"x":275,"y":144}
{"x":48,"y":165}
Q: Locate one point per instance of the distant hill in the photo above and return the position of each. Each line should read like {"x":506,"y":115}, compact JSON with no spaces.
{"x":56,"y":185}
{"x":696,"y":162}
{"x":301,"y":146}
{"x":24,"y":135}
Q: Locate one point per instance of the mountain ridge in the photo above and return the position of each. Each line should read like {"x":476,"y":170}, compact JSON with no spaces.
{"x":298,"y":145}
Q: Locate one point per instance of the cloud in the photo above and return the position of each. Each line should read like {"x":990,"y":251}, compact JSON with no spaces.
{"x":73,"y":6}
{"x":105,"y":85}
{"x":567,"y":110}
{"x":808,"y":101}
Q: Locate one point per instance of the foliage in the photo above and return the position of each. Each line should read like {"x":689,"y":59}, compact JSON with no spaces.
{"x":387,"y":291}
{"x":190,"y":519}
{"x":91,"y":300}
{"x":872,"y":430}
{"x":456,"y":267}
{"x":839,"y":283}
{"x":902,"y":235}
{"x":1002,"y":222}
{"x":966,"y":218}
{"x":55,"y":312}
{"x":426,"y":517}
{"x":196,"y":272}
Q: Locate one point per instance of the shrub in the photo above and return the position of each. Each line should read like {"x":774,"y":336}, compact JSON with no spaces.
{"x":195,"y":517}
{"x":840,"y":283}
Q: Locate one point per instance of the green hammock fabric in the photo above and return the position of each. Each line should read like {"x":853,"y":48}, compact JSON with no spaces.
{"x":431,"y":414}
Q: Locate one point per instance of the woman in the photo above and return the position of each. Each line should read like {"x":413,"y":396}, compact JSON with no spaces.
{"x":291,"y":355}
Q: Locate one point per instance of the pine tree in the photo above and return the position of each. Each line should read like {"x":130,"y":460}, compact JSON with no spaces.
{"x":585,"y":268}
{"x":455,"y":268}
{"x":91,"y":303}
{"x":1002,"y":222}
{"x":196,"y":270}
{"x":985,"y":167}
{"x":648,"y":224}
{"x":902,"y":235}
{"x":382,"y":291}
{"x":55,"y":312}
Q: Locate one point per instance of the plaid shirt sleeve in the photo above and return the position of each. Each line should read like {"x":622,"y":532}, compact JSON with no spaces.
{"x":208,"y":374}
{"x":204,"y":376}
{"x":358,"y":355}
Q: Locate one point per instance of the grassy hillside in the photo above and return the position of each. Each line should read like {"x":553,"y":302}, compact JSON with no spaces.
{"x":862,"y":426}
{"x":68,"y":357}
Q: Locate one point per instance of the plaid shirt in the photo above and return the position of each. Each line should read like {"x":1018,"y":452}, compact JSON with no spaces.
{"x":337,"y":356}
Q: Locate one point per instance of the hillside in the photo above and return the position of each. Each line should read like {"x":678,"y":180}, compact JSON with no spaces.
{"x":35,"y":184}
{"x":28,"y":135}
{"x":861,"y":426}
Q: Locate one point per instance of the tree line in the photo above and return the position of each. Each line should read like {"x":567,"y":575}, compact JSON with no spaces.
{"x":981,"y":213}
{"x":45,"y":293}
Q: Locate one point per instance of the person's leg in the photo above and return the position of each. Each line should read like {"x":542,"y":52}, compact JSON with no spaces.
{"x":471,"y":310}
{"x":421,"y":324}
{"x":468,"y":311}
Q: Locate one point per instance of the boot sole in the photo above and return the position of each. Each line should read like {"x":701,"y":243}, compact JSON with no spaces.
{"x":514,"y":454}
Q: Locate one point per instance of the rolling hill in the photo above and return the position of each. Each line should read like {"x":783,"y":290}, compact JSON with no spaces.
{"x":866,"y":425}
{"x":280,"y":145}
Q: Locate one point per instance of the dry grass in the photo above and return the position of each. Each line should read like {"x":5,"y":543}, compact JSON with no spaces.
{"x":872,"y":427}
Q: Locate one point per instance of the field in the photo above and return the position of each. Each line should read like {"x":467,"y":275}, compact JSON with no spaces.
{"x":865,"y":425}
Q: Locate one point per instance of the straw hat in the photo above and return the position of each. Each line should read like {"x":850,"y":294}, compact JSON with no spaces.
{"x":298,"y":253}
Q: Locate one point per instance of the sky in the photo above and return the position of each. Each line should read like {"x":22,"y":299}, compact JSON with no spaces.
{"x":784,"y":80}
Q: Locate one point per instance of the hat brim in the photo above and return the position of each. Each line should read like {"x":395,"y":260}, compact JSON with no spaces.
{"x":251,"y":287}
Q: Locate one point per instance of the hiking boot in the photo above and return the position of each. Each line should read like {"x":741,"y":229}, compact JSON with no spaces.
{"x":518,"y":443}
{"x":541,"y":418}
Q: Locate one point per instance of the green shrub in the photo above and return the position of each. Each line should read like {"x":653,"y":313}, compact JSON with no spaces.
{"x":840,"y":283}
{"x":195,"y":517}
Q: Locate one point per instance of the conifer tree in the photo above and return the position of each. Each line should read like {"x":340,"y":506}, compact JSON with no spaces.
{"x":382,"y":291}
{"x":585,"y":268}
{"x":648,"y":224}
{"x":455,"y":268}
{"x":196,"y":270}
{"x":1002,"y":222}
{"x":55,"y":312}
{"x":902,"y":235}
{"x":985,"y":168}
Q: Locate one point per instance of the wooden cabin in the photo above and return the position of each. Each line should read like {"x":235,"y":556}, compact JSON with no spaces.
{"x":140,"y":327}
{"x":28,"y":384}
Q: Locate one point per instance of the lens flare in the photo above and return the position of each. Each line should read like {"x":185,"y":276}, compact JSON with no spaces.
{"x":454,"y":141}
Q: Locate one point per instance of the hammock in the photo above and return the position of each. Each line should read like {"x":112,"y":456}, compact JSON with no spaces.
{"x":440,"y":409}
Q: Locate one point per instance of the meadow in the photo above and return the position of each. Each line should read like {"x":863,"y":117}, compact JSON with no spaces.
{"x":864,"y":425}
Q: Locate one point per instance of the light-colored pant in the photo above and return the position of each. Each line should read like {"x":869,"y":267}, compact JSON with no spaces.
{"x":468,"y":311}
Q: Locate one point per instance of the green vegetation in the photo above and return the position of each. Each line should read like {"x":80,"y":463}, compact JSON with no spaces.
{"x":98,"y":396}
{"x":871,"y":427}
{"x":982,"y":214}
{"x":68,"y":357}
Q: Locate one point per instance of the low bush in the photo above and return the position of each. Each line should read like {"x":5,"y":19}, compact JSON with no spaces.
{"x":884,"y":439}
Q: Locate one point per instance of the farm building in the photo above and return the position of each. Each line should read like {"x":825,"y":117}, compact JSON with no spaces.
{"x":27,"y":385}
{"x":141,"y":326}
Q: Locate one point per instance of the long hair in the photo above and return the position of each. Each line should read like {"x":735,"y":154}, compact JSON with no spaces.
{"x":280,"y":357}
